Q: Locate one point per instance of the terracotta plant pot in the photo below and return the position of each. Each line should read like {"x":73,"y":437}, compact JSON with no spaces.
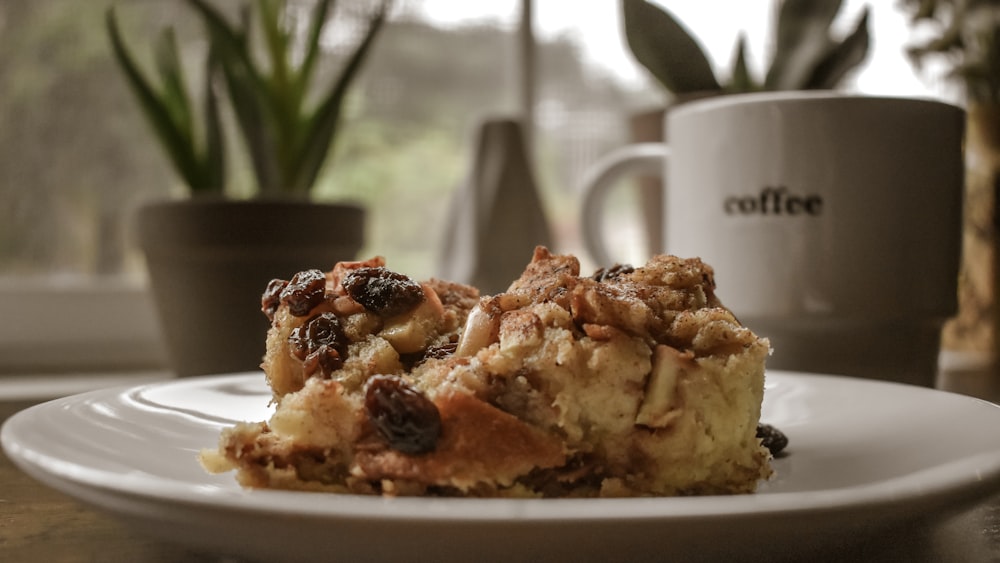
{"x":210,"y":260}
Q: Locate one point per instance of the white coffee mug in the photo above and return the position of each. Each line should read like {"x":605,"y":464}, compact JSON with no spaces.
{"x":832,"y":221}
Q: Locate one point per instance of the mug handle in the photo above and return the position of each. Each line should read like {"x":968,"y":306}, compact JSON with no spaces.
{"x":639,"y":158}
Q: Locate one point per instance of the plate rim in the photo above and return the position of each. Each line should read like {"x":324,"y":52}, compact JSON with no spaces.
{"x":936,"y":486}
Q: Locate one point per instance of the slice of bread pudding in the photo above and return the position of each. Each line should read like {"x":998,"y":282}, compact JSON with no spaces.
{"x":630,"y":382}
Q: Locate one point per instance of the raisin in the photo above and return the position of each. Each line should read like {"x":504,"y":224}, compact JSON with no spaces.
{"x":771,"y":438}
{"x":304,"y":291}
{"x":271,"y":298}
{"x":321,"y":330}
{"x":298,"y":344}
{"x":402,"y":415}
{"x":324,"y":329}
{"x":324,"y":360}
{"x":611,"y":274}
{"x":441,"y":351}
{"x":383,"y":291}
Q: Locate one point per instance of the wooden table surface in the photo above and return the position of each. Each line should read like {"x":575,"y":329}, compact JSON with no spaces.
{"x":41,"y":524}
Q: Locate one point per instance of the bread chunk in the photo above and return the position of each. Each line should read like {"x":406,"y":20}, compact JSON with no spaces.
{"x":630,"y":382}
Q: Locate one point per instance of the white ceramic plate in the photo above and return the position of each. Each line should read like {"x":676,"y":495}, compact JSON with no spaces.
{"x":863,"y":456}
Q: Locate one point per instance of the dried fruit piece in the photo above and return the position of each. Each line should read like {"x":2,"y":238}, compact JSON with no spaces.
{"x":438,"y":352}
{"x":298,"y":344}
{"x":271,"y":298}
{"x":325,"y":360}
{"x":304,"y":292}
{"x":324,"y":330}
{"x":613,"y":273}
{"x":771,"y":438}
{"x":383,"y":291}
{"x":404,"y":416}
{"x":441,"y":351}
{"x":320,"y":331}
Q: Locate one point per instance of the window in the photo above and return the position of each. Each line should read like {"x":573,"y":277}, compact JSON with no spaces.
{"x":76,"y":158}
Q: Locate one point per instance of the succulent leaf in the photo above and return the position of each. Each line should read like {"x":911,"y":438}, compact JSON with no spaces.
{"x":248,"y":91}
{"x":305,"y":73}
{"x":802,"y":40}
{"x":249,"y":104}
{"x":805,"y":54}
{"x":214,"y":163}
{"x":174,"y":94}
{"x":323,"y":123}
{"x":286,"y":141}
{"x":741,"y":80}
{"x":177,"y":141}
{"x":232,"y":44}
{"x":664,"y":47}
{"x":843,"y":57}
{"x":276,"y":39}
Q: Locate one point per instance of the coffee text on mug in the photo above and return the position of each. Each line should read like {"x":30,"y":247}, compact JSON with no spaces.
{"x":774,"y":201}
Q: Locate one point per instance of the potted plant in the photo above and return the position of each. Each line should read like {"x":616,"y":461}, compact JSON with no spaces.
{"x":209,"y":256}
{"x":965,"y":35}
{"x":806,"y":57}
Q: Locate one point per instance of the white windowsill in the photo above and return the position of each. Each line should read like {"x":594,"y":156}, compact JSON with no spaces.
{"x":77,"y":325}
{"x":40,"y":387}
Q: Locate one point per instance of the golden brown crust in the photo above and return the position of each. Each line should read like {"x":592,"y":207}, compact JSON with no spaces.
{"x":547,"y":278}
{"x":480,"y":443}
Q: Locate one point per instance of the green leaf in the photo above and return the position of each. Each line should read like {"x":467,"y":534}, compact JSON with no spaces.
{"x":741,"y":80}
{"x":842,"y":57}
{"x":174,"y":96}
{"x":803,"y":39}
{"x":304,"y":76}
{"x":249,"y":92}
{"x":661,"y":44}
{"x":318,"y":140}
{"x":214,"y":162}
{"x":284,"y":106}
{"x":232,"y":44}
{"x":277,"y":41}
{"x":177,"y":142}
{"x":250,"y":104}
{"x":287,"y":145}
